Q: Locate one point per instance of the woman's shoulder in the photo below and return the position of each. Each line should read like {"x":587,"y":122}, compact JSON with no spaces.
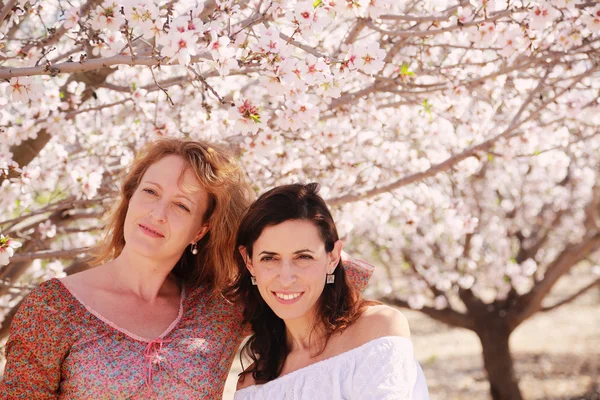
{"x":45,"y":308}
{"x":377,"y":321}
{"x":245,"y":380}
{"x":50,"y":293}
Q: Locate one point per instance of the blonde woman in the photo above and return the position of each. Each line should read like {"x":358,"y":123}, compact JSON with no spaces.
{"x":149,"y":322}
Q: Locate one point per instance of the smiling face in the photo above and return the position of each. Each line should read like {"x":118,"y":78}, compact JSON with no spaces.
{"x":166,"y":210}
{"x":290,"y":264}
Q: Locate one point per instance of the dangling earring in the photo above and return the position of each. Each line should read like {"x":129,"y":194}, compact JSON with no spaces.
{"x":194,"y":248}
{"x":330,"y":278}
{"x":253,"y":280}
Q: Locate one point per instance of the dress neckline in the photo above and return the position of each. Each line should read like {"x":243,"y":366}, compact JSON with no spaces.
{"x":114,"y":326}
{"x":328,"y":360}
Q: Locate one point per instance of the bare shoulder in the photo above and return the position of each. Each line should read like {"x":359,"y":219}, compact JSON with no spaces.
{"x":245,"y":381}
{"x":85,"y":280}
{"x":379,"y":321}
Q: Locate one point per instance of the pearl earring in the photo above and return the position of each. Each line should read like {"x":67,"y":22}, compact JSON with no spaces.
{"x":194,"y":248}
{"x":253,"y":280}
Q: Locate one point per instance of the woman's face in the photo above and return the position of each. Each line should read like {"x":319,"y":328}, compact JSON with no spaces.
{"x":166,"y":210}
{"x":290,"y":264}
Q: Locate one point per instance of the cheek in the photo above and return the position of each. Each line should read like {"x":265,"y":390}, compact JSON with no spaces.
{"x":316,"y":273}
{"x":264,"y":275}
{"x":136,"y":206}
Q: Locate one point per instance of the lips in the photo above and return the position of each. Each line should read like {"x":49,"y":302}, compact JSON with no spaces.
{"x":150,"y":231}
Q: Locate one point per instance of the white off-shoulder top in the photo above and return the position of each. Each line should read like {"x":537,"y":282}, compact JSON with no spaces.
{"x":382,"y":369}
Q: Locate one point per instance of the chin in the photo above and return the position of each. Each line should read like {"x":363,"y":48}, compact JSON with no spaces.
{"x":289,"y":314}
{"x":142,"y":247}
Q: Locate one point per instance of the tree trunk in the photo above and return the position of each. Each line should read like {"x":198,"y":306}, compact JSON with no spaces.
{"x":494,"y":334}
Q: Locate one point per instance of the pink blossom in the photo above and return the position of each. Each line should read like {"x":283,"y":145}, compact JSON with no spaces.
{"x":221,"y":50}
{"x":47,"y":229}
{"x":178,"y":44}
{"x":24,"y":89}
{"x":108,"y":17}
{"x":592,"y":20}
{"x":7,"y":249}
{"x":71,"y":19}
{"x":272,"y":83}
{"x":268,"y":40}
{"x":541,"y":16}
{"x":510,"y":40}
{"x":246,"y":117}
{"x":18,"y":89}
{"x":369,"y":58}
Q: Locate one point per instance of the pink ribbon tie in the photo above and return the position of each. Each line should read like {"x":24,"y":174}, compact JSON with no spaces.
{"x":152,"y":355}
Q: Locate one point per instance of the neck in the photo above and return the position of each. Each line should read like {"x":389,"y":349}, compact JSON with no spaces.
{"x":148,"y":278}
{"x":303,"y":334}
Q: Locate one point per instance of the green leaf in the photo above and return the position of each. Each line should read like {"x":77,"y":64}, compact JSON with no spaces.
{"x":490,"y":157}
{"x":404,"y":70}
{"x":427,"y":107}
{"x":317,"y":3}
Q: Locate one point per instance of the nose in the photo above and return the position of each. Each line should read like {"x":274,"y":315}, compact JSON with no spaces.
{"x":287,"y":274}
{"x":158,"y":212}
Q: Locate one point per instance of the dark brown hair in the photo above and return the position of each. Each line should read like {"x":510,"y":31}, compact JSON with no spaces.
{"x":340,"y":303}
{"x":229,"y":196}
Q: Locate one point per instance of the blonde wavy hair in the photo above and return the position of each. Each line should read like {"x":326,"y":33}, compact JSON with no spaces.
{"x":229,"y":196}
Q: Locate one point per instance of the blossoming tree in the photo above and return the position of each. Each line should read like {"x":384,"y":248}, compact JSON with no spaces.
{"x":457,"y":141}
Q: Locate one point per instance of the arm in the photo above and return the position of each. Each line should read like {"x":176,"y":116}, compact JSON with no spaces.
{"x":35,"y":349}
{"x":358,"y":272}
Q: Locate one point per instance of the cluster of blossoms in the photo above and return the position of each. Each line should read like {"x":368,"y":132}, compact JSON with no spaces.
{"x":376,"y":102}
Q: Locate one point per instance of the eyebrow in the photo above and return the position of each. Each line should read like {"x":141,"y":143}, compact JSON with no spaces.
{"x":272,"y":253}
{"x":177,"y":195}
{"x":304,"y":251}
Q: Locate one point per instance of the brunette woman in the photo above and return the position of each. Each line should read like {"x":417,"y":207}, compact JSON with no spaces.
{"x":314,"y":337}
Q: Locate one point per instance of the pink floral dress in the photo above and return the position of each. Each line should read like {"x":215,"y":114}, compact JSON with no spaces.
{"x":61,"y":349}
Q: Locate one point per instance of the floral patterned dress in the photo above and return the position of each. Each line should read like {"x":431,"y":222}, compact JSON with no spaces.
{"x":60,"y":349}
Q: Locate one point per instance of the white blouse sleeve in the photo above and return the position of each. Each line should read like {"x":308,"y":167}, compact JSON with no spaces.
{"x":389,"y":371}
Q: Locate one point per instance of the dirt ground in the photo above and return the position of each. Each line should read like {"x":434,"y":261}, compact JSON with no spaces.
{"x":557,"y":354}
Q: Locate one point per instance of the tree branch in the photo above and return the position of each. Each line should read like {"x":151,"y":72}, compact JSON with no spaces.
{"x":414,"y":33}
{"x":572,"y":297}
{"x":446,"y":315}
{"x":91,"y":64}
{"x":444,"y":15}
{"x":530,"y":303}
{"x":7,"y":9}
{"x":45,"y":254}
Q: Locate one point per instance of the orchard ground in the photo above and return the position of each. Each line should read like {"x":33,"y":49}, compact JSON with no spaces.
{"x":557,"y":354}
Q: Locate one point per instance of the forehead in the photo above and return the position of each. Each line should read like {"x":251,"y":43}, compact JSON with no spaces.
{"x":290,"y":236}
{"x":173,"y":172}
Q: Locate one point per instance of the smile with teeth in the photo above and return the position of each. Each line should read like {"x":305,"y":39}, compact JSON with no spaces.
{"x":288,"y":296}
